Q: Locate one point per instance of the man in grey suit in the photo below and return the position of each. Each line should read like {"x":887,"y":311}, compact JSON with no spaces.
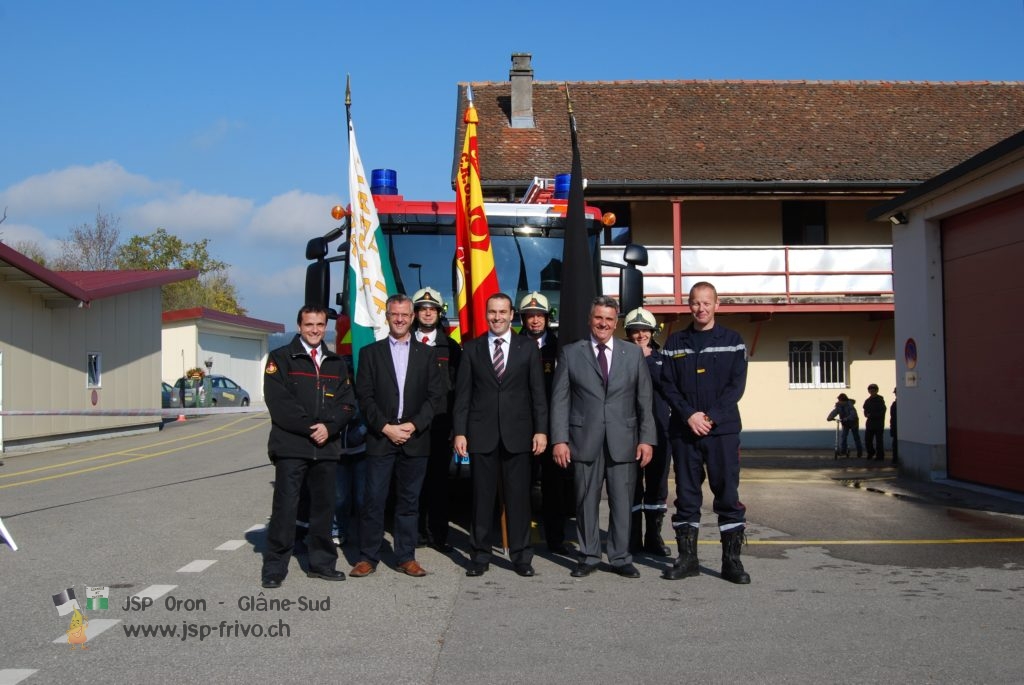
{"x":602,"y":420}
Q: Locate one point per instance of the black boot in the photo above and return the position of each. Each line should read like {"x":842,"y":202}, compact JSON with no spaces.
{"x":636,"y":544}
{"x":653,"y":542}
{"x":686,"y":564}
{"x":732,"y":567}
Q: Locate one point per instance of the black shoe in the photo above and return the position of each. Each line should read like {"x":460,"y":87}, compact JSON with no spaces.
{"x":524,"y":570}
{"x":272,"y":582}
{"x":627,"y":571}
{"x":583,"y":570}
{"x":477,"y":569}
{"x":327,"y":574}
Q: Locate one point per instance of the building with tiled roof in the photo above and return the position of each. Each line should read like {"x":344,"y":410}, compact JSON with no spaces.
{"x":761,"y":187}
{"x":75,"y":342}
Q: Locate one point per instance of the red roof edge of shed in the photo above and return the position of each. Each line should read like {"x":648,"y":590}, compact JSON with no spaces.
{"x":41,"y":273}
{"x":222,"y":317}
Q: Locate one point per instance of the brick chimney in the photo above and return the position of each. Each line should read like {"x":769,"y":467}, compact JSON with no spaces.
{"x":521,"y":76}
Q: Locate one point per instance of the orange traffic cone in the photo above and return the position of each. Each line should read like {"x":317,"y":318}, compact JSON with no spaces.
{"x":181,"y":417}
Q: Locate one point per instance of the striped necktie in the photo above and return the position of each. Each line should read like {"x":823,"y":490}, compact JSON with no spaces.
{"x":499,"y":358}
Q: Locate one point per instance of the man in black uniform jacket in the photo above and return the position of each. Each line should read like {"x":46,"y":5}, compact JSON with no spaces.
{"x":556,"y":491}
{"x":310,"y":398}
{"x":429,"y":329}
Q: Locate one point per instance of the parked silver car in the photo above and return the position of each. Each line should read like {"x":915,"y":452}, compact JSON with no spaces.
{"x":224,"y":392}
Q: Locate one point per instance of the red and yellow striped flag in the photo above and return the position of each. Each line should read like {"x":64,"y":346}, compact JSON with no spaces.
{"x":474,"y":259}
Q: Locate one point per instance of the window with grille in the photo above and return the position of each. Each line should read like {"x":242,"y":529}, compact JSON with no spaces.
{"x":817,"y":364}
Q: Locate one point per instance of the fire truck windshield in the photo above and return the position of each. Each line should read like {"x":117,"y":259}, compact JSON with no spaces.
{"x":524,"y":263}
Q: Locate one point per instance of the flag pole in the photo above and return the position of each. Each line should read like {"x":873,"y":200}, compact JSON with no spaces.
{"x":578,"y":286}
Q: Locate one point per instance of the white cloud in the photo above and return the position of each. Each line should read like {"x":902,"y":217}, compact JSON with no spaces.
{"x":216,"y":133}
{"x":191,"y":213}
{"x":295,"y":217}
{"x":76,"y":188}
{"x":13,"y":234}
{"x":291,"y":279}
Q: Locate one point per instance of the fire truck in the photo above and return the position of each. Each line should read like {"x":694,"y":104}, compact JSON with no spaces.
{"x":526,"y":238}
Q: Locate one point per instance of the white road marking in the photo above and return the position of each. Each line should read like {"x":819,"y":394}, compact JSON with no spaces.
{"x":13,"y":676}
{"x":197,"y":566}
{"x":154,"y":591}
{"x":231,"y":545}
{"x":258,"y":526}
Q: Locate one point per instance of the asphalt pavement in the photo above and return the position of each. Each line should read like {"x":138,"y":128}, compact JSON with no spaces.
{"x":858,"y":576}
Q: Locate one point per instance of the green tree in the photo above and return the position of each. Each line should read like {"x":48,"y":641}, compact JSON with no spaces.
{"x":162,"y":250}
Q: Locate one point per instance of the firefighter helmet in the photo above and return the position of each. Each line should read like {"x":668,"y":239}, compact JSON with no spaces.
{"x":534,"y":303}
{"x":427,"y":297}
{"x":640,"y":319}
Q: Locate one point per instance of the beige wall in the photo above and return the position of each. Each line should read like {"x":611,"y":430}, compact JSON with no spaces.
{"x":748,"y":222}
{"x":45,"y":359}
{"x":180,"y":343}
{"x":847,"y":225}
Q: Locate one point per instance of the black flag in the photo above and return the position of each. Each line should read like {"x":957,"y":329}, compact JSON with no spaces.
{"x":578,"y":286}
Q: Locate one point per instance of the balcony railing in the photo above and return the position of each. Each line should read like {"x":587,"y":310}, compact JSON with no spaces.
{"x":770,"y":274}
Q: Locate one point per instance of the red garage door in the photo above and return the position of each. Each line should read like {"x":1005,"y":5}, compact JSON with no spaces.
{"x":983,"y":286}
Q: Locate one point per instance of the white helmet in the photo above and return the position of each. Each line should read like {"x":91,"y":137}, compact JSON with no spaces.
{"x":640,"y":319}
{"x":535,"y":303}
{"x":427,"y":297}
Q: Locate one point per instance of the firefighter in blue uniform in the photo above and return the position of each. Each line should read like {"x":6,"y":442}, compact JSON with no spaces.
{"x":651,"y":494}
{"x":705,"y":374}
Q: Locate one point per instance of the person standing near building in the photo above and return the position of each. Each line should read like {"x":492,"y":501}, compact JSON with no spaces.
{"x":501,"y":416}
{"x":429,"y":329}
{"x":555,"y":482}
{"x":846,"y":412}
{"x":651,"y":494}
{"x":399,"y":389}
{"x":310,"y":399}
{"x":705,"y":374}
{"x":874,"y":424}
{"x":602,"y":420}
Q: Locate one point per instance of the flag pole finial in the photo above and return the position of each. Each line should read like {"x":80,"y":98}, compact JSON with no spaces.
{"x":469,"y":93}
{"x":348,"y":90}
{"x":568,"y":100}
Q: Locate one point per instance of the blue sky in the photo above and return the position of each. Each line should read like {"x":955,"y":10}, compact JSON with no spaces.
{"x":226,"y":120}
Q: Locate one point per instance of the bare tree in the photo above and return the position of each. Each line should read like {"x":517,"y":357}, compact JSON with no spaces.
{"x":32,"y":250}
{"x":91,"y":247}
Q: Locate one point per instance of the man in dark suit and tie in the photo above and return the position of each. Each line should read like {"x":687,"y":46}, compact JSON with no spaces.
{"x":500,"y":415}
{"x":399,"y":389}
{"x":602,"y":421}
